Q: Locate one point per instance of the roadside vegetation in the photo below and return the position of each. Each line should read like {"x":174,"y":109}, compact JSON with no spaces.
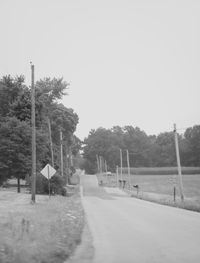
{"x":158,"y":188}
{"x":48,"y":231}
{"x":51,"y":118}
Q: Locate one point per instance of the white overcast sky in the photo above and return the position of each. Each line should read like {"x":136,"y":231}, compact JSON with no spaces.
{"x":129,"y":62}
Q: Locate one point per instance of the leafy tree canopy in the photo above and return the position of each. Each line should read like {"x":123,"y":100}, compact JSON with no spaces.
{"x":15,"y":124}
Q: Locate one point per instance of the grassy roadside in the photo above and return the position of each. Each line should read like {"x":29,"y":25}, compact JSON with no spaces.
{"x":48,"y":231}
{"x":162,"y":199}
{"x":159,"y":189}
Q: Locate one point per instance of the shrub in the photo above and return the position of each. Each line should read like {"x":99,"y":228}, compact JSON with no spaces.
{"x":3,"y":178}
{"x":57,"y":184}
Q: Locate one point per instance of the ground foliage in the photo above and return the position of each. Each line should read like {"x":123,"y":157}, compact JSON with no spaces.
{"x":15,"y":125}
{"x":159,"y":186}
{"x":144,"y":150}
{"x":56,"y":185}
{"x":46,"y":232}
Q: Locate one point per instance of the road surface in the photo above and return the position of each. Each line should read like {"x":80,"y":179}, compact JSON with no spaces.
{"x":126,"y":229}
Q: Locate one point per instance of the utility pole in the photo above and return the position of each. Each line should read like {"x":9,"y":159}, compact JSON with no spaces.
{"x":61,"y":152}
{"x":128,"y":165}
{"x":117,"y":172}
{"x":178,"y":163}
{"x":33,"y":176}
{"x":101,"y":166}
{"x":99,"y":163}
{"x":105,"y":164}
{"x":106,"y":170}
{"x":98,"y":168}
{"x":121,"y":162}
{"x":71,"y":157}
{"x":50,"y":139}
{"x":67,"y":165}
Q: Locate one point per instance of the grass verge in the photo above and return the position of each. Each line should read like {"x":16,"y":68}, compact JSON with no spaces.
{"x":162,"y":199}
{"x":47,"y":231}
{"x":159,"y":188}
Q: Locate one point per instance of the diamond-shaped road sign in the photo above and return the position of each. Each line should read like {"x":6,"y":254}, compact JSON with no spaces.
{"x":48,"y":171}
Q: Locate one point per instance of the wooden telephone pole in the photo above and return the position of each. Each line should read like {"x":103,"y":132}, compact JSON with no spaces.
{"x":178,"y":163}
{"x":67,"y":163}
{"x":117,"y":176}
{"x":106,"y":170}
{"x":61,"y":152}
{"x":50,"y":140}
{"x":128,"y":165}
{"x":121,"y":163}
{"x":98,"y":166}
{"x":33,"y":176}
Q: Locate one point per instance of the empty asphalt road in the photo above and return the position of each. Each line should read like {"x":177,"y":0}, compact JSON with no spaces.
{"x":126,"y":229}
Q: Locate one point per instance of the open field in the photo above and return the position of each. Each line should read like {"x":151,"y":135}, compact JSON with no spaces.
{"x":161,"y":170}
{"x":45,"y":232}
{"x":160,"y":188}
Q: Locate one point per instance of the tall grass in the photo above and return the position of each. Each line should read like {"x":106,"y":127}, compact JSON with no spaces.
{"x":159,"y":188}
{"x":45,"y":232}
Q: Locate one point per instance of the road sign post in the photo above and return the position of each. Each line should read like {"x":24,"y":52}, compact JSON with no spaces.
{"x":48,"y":171}
{"x":48,"y":180}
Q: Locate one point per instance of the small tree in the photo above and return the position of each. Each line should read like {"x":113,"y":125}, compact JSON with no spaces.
{"x":15,"y":149}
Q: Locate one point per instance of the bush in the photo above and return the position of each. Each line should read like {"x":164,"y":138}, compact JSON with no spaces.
{"x":3,"y":178}
{"x":89,"y":167}
{"x":57,"y":184}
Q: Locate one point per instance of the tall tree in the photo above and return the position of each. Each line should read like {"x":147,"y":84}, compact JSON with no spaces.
{"x":15,"y":111}
{"x":10,"y":90}
{"x":15,"y":143}
{"x":192,"y":146}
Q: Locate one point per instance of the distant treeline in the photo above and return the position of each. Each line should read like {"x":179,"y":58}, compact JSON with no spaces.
{"x":144,"y":150}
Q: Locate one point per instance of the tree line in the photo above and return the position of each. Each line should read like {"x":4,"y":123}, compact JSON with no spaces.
{"x":15,"y":125}
{"x":144,"y":150}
